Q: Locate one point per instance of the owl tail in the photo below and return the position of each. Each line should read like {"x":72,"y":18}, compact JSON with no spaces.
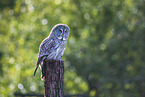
{"x":38,"y":61}
{"x":35,"y":70}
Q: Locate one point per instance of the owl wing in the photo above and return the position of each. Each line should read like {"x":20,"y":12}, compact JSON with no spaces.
{"x":46,"y":47}
{"x":44,"y":50}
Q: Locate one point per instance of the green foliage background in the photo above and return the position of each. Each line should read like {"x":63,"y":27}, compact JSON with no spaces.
{"x":104,"y":56}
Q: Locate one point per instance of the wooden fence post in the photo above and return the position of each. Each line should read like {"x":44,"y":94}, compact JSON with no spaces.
{"x":54,"y":78}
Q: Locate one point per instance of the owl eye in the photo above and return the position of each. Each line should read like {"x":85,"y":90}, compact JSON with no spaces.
{"x":60,"y":31}
{"x":65,"y":31}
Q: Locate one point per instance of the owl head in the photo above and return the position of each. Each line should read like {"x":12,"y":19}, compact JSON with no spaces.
{"x":60,"y":31}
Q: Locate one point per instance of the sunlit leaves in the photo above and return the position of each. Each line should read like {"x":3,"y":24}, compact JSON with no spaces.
{"x":104,"y":52}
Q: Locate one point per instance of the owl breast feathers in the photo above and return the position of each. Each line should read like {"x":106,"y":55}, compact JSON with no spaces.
{"x":53,"y":46}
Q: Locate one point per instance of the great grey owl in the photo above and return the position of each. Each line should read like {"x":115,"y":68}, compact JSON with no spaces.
{"x":53,"y":46}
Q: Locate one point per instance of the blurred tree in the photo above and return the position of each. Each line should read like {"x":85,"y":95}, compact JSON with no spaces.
{"x":7,"y":4}
{"x":104,"y":55}
{"x":1,"y":54}
{"x":108,"y":54}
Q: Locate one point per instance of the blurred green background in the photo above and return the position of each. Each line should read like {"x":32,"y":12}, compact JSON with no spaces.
{"x":105,"y":52}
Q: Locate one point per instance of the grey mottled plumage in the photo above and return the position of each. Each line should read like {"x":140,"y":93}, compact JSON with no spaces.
{"x":53,"y":46}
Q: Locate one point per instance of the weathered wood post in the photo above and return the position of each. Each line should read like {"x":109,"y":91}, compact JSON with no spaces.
{"x":54,"y":78}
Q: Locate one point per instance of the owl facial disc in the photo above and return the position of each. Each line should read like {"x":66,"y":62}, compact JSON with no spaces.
{"x":61,"y":31}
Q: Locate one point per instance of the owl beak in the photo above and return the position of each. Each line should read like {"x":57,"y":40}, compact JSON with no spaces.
{"x":62,"y":37}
